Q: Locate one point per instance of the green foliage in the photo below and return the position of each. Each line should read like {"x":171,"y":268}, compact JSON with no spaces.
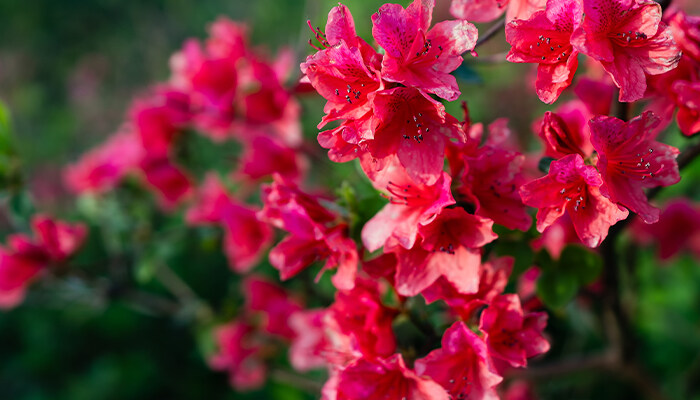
{"x":561,"y":279}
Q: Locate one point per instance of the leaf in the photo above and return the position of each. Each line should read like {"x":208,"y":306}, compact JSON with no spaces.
{"x":543,"y":164}
{"x":555,"y":289}
{"x":582,"y":263}
{"x":467,"y":74}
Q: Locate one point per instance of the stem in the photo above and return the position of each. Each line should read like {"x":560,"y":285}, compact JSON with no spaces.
{"x":297,"y":381}
{"x":491,"y":32}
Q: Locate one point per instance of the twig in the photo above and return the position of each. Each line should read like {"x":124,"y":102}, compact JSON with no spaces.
{"x":175,"y":284}
{"x":491,"y":32}
{"x":150,"y":304}
{"x":490,"y":59}
{"x":297,"y":381}
{"x":607,"y":361}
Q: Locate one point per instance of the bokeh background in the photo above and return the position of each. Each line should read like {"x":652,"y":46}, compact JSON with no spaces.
{"x":68,"y":70}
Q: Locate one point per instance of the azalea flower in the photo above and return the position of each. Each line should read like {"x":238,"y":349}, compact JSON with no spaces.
{"x":629,"y":40}
{"x":510,"y":334}
{"x":462,"y":365}
{"x":245,"y":237}
{"x":574,"y":188}
{"x":489,"y":10}
{"x":385,"y":379}
{"x":630,"y":160}
{"x":420,"y":56}
{"x":545,"y":39}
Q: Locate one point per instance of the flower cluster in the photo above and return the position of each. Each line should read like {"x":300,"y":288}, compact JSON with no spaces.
{"x":447,"y":186}
{"x":628,"y":38}
{"x":25,"y":258}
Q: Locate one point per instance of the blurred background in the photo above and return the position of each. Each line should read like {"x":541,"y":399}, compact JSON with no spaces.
{"x":68,"y":71}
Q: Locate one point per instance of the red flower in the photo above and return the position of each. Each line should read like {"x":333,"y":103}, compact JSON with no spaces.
{"x":103,"y":167}
{"x":409,"y":123}
{"x":488,"y":10}
{"x":688,"y":97}
{"x":273,"y":302}
{"x":311,"y":238}
{"x":385,"y":379}
{"x":246,"y":238}
{"x":573,"y":187}
{"x":492,"y":176}
{"x":462,"y":365}
{"x":240,"y":354}
{"x":678,"y":228}
{"x":360,"y":314}
{"x":510,"y":334}
{"x":24,"y":257}
{"x":630,"y":160}
{"x":410,"y":205}
{"x":450,"y":248}
{"x":159,"y":118}
{"x":418,"y":56}
{"x":566,"y":134}
{"x":545,"y":39}
{"x":264,"y":156}
{"x":170,"y":183}
{"x":629,"y":40}
{"x":493,"y":278}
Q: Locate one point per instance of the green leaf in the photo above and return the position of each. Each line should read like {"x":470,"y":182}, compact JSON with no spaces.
{"x":582,"y":263}
{"x":467,"y":74}
{"x":145,"y":269}
{"x":544,"y":163}
{"x":556,"y":289}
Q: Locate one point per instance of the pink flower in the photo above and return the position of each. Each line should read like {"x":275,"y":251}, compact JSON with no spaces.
{"x":573,"y":187}
{"x":227,"y":39}
{"x":385,"y":379}
{"x":544,"y":39}
{"x":169,"y":182}
{"x":273,"y":302}
{"x":409,"y":123}
{"x":491,"y":177}
{"x":210,"y":81}
{"x":686,"y":32}
{"x":311,"y":237}
{"x":493,"y":278}
{"x":450,"y":248}
{"x":630,"y":160}
{"x":360,"y":314}
{"x":510,"y":334}
{"x":410,"y":204}
{"x":629,"y":40}
{"x":309,"y":343}
{"x":24,"y":258}
{"x":519,"y":390}
{"x":264,"y":156}
{"x":418,"y":56}
{"x":159,"y":118}
{"x":246,"y":238}
{"x":566,"y":134}
{"x":556,"y":236}
{"x":678,"y":228}
{"x":342,"y":142}
{"x":462,"y":365}
{"x":103,"y":167}
{"x":688,"y":96}
{"x":489,"y":10}
{"x":58,"y":239}
{"x":346,"y":71}
{"x":239,"y":354}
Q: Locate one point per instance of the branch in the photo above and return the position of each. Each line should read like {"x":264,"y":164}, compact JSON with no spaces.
{"x":297,"y":381}
{"x":491,"y":32}
{"x":606,"y":361}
